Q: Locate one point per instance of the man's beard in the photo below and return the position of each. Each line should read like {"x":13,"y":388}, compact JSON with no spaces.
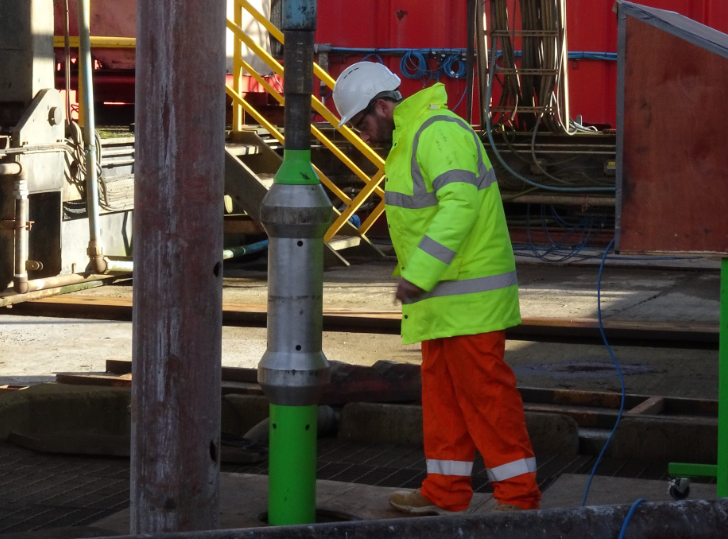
{"x":383,"y":133}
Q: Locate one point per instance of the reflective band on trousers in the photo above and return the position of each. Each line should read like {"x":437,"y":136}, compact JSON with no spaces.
{"x":437,"y":250}
{"x":449,"y":467}
{"x":469,"y":286}
{"x":512,"y":469}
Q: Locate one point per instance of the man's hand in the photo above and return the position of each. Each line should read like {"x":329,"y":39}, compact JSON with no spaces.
{"x":406,"y":290}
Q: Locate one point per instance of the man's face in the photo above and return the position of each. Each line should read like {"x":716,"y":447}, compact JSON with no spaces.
{"x":373,"y":123}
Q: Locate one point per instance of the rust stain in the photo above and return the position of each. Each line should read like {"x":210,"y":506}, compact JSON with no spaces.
{"x":400,"y":14}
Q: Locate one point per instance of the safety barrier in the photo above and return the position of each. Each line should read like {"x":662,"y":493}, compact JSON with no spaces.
{"x":240,"y":105}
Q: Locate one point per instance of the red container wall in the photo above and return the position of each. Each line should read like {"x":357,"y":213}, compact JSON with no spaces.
{"x":591,"y":26}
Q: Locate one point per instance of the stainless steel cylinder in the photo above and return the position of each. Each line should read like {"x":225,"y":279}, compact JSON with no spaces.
{"x":20,"y":277}
{"x":294,"y":369}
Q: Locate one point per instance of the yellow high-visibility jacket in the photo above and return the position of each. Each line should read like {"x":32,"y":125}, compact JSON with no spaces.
{"x":447,"y":224}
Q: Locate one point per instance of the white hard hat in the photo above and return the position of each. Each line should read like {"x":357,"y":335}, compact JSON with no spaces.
{"x":359,"y":84}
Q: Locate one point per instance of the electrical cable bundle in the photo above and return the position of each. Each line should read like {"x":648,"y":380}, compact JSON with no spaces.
{"x":540,"y":82}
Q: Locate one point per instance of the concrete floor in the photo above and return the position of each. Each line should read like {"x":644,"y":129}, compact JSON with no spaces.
{"x":33,"y":349}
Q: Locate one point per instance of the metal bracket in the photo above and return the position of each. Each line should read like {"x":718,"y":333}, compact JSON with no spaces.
{"x":10,"y":224}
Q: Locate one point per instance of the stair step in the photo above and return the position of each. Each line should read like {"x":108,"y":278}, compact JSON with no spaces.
{"x":339,"y":243}
{"x":239,"y":150}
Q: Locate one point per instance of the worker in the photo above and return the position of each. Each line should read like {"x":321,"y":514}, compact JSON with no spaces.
{"x":457,"y":285}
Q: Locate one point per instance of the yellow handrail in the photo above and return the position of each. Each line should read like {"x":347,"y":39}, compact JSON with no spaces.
{"x":316,"y":132}
{"x":279,"y":137}
{"x":101,"y":42}
{"x":372,"y":185}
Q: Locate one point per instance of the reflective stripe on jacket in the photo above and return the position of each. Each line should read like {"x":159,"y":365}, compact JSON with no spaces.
{"x":447,"y":224}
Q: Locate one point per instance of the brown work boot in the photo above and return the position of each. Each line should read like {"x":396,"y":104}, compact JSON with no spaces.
{"x":507,"y":508}
{"x":413,"y":502}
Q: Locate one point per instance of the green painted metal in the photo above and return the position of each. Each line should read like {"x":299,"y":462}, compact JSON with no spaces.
{"x":719,"y":471}
{"x":723,"y":384}
{"x":296,"y":169}
{"x":292,"y":465}
{"x":692,"y":470}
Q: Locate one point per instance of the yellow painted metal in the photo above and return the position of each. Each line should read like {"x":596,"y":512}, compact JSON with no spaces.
{"x":100,"y":42}
{"x":371,"y":184}
{"x":254,"y":113}
{"x":264,"y":83}
{"x":319,"y":107}
{"x":238,"y":114}
{"x":253,"y":46}
{"x":354,"y":206}
{"x":275,"y":32}
{"x":237,"y":99}
{"x":278,"y":97}
{"x":343,"y":157}
{"x":349,"y":135}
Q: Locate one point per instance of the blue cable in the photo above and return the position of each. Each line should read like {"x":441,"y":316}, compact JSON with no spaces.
{"x":616,"y":365}
{"x":629,"y":516}
{"x":447,"y":67}
{"x":461,"y":100}
{"x":413,"y":65}
{"x":373,"y":54}
{"x":573,"y":55}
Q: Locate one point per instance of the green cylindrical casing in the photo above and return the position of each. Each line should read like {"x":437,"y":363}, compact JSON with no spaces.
{"x":296,"y":169}
{"x":723,"y":384}
{"x":292,"y":465}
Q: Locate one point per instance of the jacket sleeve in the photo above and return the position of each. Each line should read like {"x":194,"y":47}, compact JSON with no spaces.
{"x":448,"y":158}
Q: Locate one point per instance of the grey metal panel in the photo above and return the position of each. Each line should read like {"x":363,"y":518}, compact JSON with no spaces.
{"x":680,"y":26}
{"x":26,"y":49}
{"x":621,"y":57}
{"x":116,"y":233}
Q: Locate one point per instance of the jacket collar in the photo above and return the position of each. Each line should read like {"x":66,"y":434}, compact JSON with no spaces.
{"x":412,"y":107}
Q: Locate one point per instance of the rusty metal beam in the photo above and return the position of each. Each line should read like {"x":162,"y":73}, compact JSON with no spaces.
{"x":178,"y":230}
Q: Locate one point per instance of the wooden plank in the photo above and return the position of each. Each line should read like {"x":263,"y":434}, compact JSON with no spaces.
{"x":94,"y":379}
{"x":229,"y":374}
{"x":571,"y":330}
{"x":651,"y":406}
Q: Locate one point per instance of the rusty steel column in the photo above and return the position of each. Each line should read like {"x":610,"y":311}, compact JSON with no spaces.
{"x":177,"y":316}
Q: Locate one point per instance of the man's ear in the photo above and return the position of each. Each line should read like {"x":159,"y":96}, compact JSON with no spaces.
{"x":383,"y":108}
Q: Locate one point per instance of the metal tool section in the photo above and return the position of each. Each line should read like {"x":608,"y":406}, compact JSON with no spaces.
{"x":294,"y":369}
{"x":295,"y":213}
{"x":177,"y":328}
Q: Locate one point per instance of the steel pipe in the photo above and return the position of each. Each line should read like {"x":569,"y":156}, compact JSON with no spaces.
{"x":20,"y":276}
{"x":95,"y":245}
{"x":177,"y":327}
{"x":59,"y":281}
{"x":10,"y":169}
{"x":693,"y":519}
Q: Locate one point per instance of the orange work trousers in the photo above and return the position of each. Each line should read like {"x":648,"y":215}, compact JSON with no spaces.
{"x":469,"y":401}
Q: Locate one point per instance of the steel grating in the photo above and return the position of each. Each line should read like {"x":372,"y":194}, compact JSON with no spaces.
{"x":40,"y":491}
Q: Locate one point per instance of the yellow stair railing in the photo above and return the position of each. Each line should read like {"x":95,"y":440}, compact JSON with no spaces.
{"x":241,"y":107}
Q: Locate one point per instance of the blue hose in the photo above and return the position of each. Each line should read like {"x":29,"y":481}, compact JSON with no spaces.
{"x":616,"y":366}
{"x":629,"y":516}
